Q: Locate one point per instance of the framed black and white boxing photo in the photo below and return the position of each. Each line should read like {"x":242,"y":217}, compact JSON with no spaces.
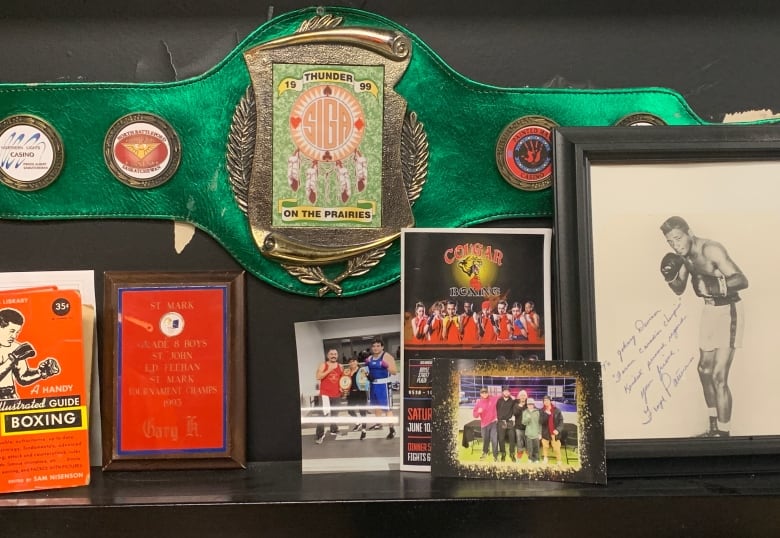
{"x":666,"y":261}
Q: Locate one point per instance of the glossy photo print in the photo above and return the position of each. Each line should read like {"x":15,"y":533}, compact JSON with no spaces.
{"x":349,"y":373}
{"x":518,"y":419}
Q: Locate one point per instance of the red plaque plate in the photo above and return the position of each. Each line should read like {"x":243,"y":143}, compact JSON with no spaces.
{"x":173,"y":370}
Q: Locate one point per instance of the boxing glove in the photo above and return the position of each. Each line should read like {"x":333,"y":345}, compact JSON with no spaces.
{"x":48,"y":367}
{"x":709,"y":285}
{"x":24,"y":351}
{"x":670,"y":265}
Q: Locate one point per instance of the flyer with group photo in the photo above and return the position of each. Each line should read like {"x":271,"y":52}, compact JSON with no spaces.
{"x":478,"y":293}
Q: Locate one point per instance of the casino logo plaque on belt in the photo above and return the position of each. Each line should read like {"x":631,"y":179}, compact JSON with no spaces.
{"x":31,"y":153}
{"x":331,"y":173}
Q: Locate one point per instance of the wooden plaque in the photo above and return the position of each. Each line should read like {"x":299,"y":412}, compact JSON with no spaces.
{"x":173,"y":370}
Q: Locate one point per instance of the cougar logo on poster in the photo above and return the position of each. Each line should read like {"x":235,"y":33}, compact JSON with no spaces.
{"x":475,"y":268}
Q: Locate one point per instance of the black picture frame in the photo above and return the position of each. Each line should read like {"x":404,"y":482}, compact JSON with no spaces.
{"x":577,"y":302}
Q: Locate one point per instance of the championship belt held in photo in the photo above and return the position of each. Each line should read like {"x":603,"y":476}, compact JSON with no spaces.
{"x":306,"y":150}
{"x":345,"y":383}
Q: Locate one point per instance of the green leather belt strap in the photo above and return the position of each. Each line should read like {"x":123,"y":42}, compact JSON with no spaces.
{"x":463,"y":121}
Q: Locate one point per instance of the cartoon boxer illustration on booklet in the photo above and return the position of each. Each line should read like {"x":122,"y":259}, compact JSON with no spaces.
{"x":14,"y":355}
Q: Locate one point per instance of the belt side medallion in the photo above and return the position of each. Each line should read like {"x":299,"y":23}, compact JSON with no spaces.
{"x":524,"y":153}
{"x":31,"y":153}
{"x":142,"y":150}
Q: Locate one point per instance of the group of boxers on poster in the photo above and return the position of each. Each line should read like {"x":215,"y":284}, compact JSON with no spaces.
{"x":494,"y":322}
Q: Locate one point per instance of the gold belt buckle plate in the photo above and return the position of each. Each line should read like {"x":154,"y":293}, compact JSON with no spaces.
{"x":323,"y":156}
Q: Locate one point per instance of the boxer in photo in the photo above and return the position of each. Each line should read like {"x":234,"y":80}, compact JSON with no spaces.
{"x":328,"y":374}
{"x":717,"y":280}
{"x":419,"y":324}
{"x":381,"y":365}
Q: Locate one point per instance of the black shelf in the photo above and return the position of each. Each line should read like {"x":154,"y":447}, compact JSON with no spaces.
{"x":275,"y":499}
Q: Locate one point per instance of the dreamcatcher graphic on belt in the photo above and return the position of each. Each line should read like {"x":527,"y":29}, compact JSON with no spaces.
{"x":327,"y":124}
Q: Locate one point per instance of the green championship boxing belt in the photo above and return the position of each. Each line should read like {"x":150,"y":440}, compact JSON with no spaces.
{"x":305,"y":151}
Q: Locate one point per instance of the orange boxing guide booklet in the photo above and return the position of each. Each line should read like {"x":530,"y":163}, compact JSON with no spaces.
{"x":44,"y":438}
